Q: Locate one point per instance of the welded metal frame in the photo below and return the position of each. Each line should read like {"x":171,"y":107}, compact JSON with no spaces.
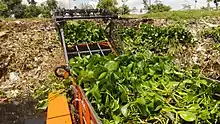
{"x":61,"y":16}
{"x":89,"y":49}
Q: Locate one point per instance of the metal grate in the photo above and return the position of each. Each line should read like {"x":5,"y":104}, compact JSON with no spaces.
{"x":102,"y":48}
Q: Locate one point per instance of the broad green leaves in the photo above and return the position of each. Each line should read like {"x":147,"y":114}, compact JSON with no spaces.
{"x":125,"y":110}
{"x":101,"y":76}
{"x":187,"y":116}
{"x":83,"y":31}
{"x":154,"y":38}
{"x":141,"y":101}
{"x":141,"y":86}
{"x":112,"y":65}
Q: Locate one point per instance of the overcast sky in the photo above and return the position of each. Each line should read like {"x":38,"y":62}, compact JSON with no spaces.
{"x":175,"y":4}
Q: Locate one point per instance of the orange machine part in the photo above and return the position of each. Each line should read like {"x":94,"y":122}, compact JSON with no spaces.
{"x":58,"y":110}
{"x":112,"y":48}
{"x":80,"y":109}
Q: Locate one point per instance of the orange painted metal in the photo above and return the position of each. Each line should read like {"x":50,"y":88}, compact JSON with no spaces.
{"x":66,"y":75}
{"x":58,"y":110}
{"x":87,"y":114}
{"x":112,"y":48}
{"x":80,"y":108}
{"x":90,"y":117}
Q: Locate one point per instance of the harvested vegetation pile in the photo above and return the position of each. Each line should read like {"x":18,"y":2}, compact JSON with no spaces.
{"x":29,"y":51}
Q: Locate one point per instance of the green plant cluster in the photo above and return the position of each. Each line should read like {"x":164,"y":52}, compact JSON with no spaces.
{"x":145,"y":88}
{"x":154,"y":38}
{"x":83,"y":31}
{"x":213,"y":33}
{"x":183,"y":14}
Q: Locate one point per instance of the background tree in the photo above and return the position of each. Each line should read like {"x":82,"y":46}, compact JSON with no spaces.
{"x":19,"y":11}
{"x":216,"y":3}
{"x":159,"y":7}
{"x":32,"y":11}
{"x":141,"y":10}
{"x":186,"y":6}
{"x":86,"y":6}
{"x":32,"y":2}
{"x":3,"y":7}
{"x":109,"y":4}
{"x":52,"y":4}
{"x":124,"y":9}
{"x":145,"y":2}
{"x":12,"y":6}
{"x":208,"y":3}
{"x":134,"y":9}
{"x":47,"y":7}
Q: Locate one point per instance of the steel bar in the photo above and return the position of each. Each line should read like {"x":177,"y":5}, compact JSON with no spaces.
{"x":64,"y":46}
{"x":83,"y":17}
{"x":88,"y":48}
{"x":100,"y":49}
{"x":78,"y":51}
{"x":93,"y":51}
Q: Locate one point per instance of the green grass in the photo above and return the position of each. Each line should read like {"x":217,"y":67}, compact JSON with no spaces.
{"x":179,"y":15}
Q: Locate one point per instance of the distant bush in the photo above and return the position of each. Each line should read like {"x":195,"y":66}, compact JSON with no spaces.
{"x":184,"y":14}
{"x":19,"y":10}
{"x":159,"y":7}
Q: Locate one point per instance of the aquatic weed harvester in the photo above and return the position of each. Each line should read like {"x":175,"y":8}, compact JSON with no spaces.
{"x":59,"y":110}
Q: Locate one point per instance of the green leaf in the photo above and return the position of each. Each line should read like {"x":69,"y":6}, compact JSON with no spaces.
{"x":151,"y":71}
{"x":112,"y":65}
{"x":151,"y":106}
{"x":158,"y":108}
{"x":116,"y":105}
{"x":107,"y":100}
{"x":117,"y":119}
{"x":101,"y":76}
{"x":140,"y":64}
{"x":95,"y":92}
{"x":179,"y":74}
{"x":188,"y":81}
{"x":170,"y":115}
{"x":204,"y":82}
{"x":141,"y":101}
{"x":116,"y":76}
{"x":42,"y":105}
{"x":130,"y":66}
{"x":187,"y":116}
{"x":124,"y":110}
{"x":194,"y":107}
{"x":183,"y":94}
